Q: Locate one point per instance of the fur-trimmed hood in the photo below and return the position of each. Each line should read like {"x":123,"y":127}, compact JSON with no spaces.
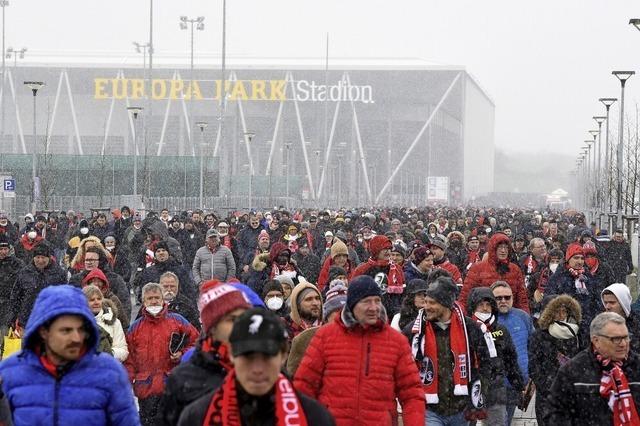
{"x":571,"y":305}
{"x":459,"y":234}
{"x":260,"y":262}
{"x":109,"y":312}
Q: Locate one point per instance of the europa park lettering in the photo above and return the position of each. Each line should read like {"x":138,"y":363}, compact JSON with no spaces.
{"x":243,"y":90}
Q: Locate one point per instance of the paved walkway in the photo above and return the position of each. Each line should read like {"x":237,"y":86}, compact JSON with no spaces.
{"x":527,"y":418}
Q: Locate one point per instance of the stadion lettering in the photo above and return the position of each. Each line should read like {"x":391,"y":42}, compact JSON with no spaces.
{"x":244,"y":90}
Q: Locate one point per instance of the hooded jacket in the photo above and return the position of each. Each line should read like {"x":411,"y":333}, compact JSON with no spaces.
{"x":91,"y":391}
{"x":358,"y":372}
{"x":486,"y":272}
{"x":262,"y":265}
{"x":294,"y":322}
{"x":505,"y":364}
{"x":107,"y":318}
{"x":621,"y":292}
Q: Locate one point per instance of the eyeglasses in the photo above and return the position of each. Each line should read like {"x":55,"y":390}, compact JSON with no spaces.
{"x":616,"y":340}
{"x":498,"y":298}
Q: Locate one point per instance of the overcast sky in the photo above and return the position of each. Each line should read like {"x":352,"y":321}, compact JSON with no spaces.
{"x":545,"y":63}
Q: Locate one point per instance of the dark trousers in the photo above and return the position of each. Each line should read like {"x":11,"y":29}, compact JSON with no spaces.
{"x":149,"y":410}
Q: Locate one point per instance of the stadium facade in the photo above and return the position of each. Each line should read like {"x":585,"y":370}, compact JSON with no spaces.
{"x":354,"y":134}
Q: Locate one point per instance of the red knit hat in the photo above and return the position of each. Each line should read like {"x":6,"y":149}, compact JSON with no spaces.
{"x":572,"y":250}
{"x":377,"y":244}
{"x":218,"y":299}
{"x":589,"y":248}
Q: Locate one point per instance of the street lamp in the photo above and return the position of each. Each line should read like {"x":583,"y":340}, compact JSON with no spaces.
{"x":287,"y":145}
{"x":3,"y":4}
{"x":184,"y":25}
{"x":607,"y":102}
{"x":34,"y":86}
{"x":201,"y":125}
{"x":599,"y":120}
{"x":249,"y":135}
{"x":623,"y":76}
{"x":135,"y":111}
{"x":15,"y":54}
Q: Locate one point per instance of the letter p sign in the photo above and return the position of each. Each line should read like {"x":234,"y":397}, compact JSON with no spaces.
{"x":9,"y":185}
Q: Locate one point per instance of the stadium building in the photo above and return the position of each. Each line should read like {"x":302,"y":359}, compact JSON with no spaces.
{"x":376,"y":132}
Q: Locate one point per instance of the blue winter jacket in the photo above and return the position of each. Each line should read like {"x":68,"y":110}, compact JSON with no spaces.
{"x":520,"y":327}
{"x":95,"y":390}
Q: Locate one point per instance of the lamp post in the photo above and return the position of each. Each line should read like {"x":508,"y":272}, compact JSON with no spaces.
{"x":143,"y":48}
{"x":135,"y":111}
{"x":249,"y":137}
{"x":184,"y":25}
{"x":607,"y":102}
{"x":623,"y":76}
{"x":15,"y":54}
{"x":34,"y":86}
{"x":596,"y":171}
{"x":3,"y":4}
{"x":288,"y":147}
{"x":592,"y":171}
{"x":599,"y":120}
{"x":201,"y":125}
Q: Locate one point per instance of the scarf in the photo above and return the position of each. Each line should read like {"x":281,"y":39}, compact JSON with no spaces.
{"x":485,"y":326}
{"x":425,"y":351}
{"x":395,"y":276}
{"x":219,"y":350}
{"x":275,"y":270}
{"x":593,"y":264}
{"x":563,"y":330}
{"x":579,"y":280}
{"x":615,"y":388}
{"x":224,"y":411}
{"x":472,"y":257}
{"x":226,"y":241}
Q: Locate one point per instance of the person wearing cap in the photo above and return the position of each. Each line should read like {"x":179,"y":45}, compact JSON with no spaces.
{"x":441,"y":261}
{"x":163,"y":262}
{"x":58,"y":376}
{"x":287,"y":287}
{"x":497,"y":267}
{"x":9,"y":268}
{"x":306,"y":309}
{"x":259,"y":253}
{"x":339,"y":256}
{"x":503,"y":358}
{"x":273,"y":297}
{"x":220,"y":305}
{"x":599,"y":270}
{"x":412,"y":302}
{"x":451,"y":353}
{"x":255,"y":391}
{"x":574,"y":279}
{"x":398,"y":253}
{"x":360,"y":352}
{"x":456,"y":251}
{"x":474,"y":254}
{"x":389,"y":276}
{"x":7,"y":228}
{"x":617,"y":298}
{"x":227,"y":240}
{"x":213,"y":260}
{"x":307,"y":261}
{"x":156,"y":341}
{"x":39,"y":273}
{"x":335,"y":300}
{"x":420,"y":266}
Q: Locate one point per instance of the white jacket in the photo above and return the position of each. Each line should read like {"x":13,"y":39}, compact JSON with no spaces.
{"x":111,"y":324}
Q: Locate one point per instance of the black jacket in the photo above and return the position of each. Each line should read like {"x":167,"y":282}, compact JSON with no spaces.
{"x":575,"y":394}
{"x":256,"y":411}
{"x":309,"y":266}
{"x":9,"y":267}
{"x":152,"y":275}
{"x":201,"y":374}
{"x":187,"y":308}
{"x":29,"y":282}
{"x":618,"y":257}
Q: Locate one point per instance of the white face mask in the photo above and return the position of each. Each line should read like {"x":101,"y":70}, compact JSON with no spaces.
{"x":275,"y":303}
{"x":483,"y":316}
{"x":3,"y":222}
{"x":84,"y":231}
{"x":553,"y":267}
{"x":153,"y":310}
{"x":32,"y":235}
{"x":110,"y":248}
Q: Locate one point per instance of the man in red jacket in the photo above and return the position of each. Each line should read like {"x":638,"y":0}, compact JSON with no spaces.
{"x":497,"y":268}
{"x":156,"y":342}
{"x":358,"y":365}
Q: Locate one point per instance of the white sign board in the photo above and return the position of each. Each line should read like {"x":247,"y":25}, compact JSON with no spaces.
{"x":438,"y":189}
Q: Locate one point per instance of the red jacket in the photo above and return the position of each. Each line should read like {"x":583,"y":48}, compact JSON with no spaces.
{"x":485,"y":273}
{"x":148,"y":339}
{"x":357,"y":373}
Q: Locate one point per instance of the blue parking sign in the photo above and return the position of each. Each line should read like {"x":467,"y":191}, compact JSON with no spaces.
{"x":9,"y":184}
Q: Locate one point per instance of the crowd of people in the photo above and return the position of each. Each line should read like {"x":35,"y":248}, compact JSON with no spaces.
{"x":414,"y":316}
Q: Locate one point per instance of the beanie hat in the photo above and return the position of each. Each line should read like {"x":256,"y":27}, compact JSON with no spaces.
{"x":443,"y":291}
{"x":361,"y":287}
{"x":4,"y":240}
{"x":335,"y":271}
{"x":42,"y":249}
{"x":573,"y":250}
{"x":335,"y":300}
{"x":218,"y":299}
{"x":285,"y":279}
{"x":589,"y":248}
{"x":162,"y":245}
{"x":263,"y":235}
{"x":398,"y":248}
{"x":377,"y":244}
{"x":339,"y":248}
{"x":271,"y":285}
{"x":421,"y":254}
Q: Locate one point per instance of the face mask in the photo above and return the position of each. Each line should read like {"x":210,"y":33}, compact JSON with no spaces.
{"x":3,"y":222}
{"x":32,"y":235}
{"x":110,"y":248}
{"x":153,"y":310}
{"x":483,"y":316}
{"x":275,"y":303}
{"x":553,"y":267}
{"x":84,"y":231}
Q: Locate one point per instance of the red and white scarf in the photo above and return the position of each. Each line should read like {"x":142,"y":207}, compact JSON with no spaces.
{"x":224,"y":411}
{"x":579,"y":280}
{"x":615,"y":388}
{"x":424,"y":347}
